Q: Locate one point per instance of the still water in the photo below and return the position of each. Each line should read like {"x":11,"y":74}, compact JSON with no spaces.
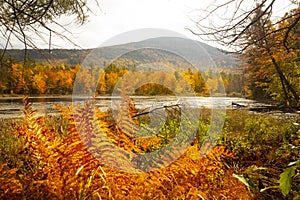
{"x":12,"y":107}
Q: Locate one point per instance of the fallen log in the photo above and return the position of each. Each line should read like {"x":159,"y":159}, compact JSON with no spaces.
{"x":274,"y":108}
{"x":233,"y":104}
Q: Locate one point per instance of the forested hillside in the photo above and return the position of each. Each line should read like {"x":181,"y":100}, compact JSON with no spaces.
{"x":76,"y":56}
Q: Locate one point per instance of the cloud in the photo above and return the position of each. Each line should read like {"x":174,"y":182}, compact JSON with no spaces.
{"x":121,"y":16}
{"x":118,"y":16}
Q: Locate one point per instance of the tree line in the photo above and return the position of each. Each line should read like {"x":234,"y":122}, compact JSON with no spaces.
{"x":36,"y":79}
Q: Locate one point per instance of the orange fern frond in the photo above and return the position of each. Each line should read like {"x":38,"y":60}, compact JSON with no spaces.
{"x":10,"y":184}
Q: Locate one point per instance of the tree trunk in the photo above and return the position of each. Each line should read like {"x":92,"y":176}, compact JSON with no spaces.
{"x":284,"y":81}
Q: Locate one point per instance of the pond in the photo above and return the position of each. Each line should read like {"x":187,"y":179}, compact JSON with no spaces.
{"x":11,"y":107}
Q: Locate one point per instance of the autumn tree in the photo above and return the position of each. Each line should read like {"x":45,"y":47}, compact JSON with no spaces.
{"x":272,"y":67}
{"x":251,"y":31}
{"x":271,"y":57}
{"x":27,"y":21}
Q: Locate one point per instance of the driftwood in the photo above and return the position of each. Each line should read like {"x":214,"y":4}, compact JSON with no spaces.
{"x":237,"y":105}
{"x":267,"y":108}
{"x":144,"y":112}
{"x":275,"y":108}
{"x":158,"y":108}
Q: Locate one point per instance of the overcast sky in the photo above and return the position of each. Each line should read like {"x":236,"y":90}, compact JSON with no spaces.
{"x":118,"y":16}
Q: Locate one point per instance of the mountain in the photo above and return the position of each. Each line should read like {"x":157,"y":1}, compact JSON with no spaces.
{"x":174,"y":49}
{"x":54,"y":56}
{"x":197,"y":52}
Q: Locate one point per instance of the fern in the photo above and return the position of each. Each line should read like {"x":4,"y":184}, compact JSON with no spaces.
{"x":57,"y":158}
{"x":10,"y":183}
{"x":98,"y":160}
{"x":125,"y":120}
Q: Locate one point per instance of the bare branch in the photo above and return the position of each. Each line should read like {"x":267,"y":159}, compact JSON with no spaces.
{"x":234,"y":29}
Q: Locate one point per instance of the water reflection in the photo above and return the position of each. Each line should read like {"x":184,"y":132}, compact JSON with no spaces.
{"x":12,"y":107}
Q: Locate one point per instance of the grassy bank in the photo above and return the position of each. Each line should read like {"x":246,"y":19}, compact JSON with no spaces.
{"x":44,"y":157}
